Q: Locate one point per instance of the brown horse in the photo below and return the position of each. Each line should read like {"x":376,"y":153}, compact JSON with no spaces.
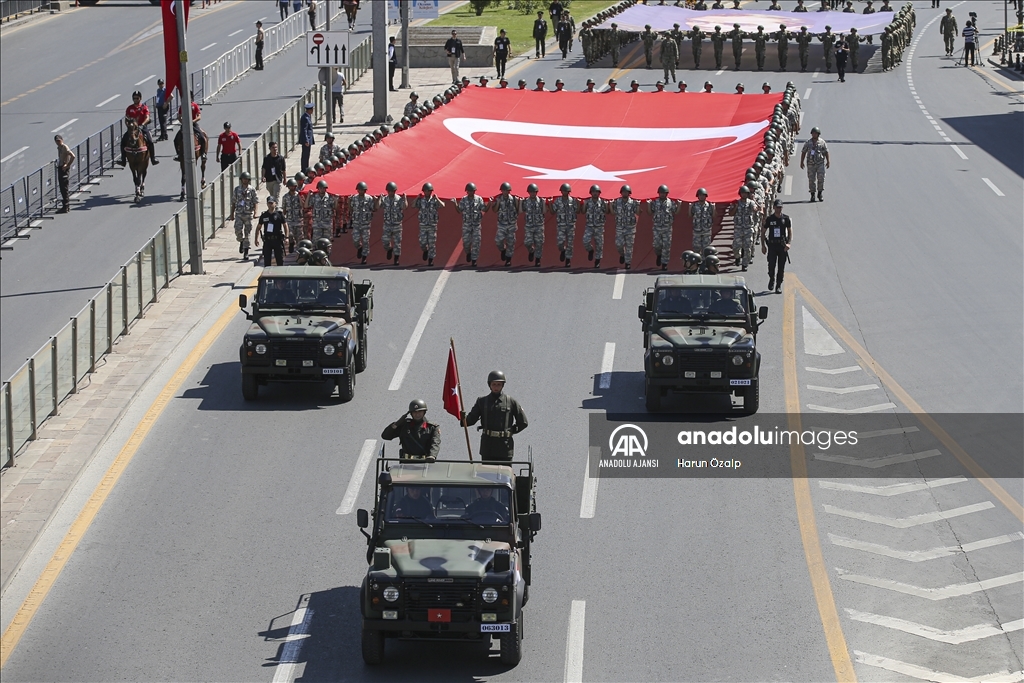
{"x":202,"y":142}
{"x":137,"y":154}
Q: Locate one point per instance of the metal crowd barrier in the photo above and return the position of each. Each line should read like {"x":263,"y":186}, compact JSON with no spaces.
{"x":11,"y":8}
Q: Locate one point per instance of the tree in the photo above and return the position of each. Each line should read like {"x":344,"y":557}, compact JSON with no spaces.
{"x":479,"y":5}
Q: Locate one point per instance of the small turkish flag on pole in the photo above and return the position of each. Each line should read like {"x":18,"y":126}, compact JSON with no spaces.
{"x":453,"y":393}
{"x":171,"y":49}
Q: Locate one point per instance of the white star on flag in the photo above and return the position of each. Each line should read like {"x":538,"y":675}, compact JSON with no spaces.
{"x":588,"y":172}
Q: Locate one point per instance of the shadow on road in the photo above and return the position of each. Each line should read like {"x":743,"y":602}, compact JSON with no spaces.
{"x":221,"y":389}
{"x":1001,"y":135}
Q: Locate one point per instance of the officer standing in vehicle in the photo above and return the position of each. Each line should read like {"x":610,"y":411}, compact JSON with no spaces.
{"x":419,"y":439}
{"x":500,"y":418}
{"x":273,"y":228}
{"x":776,"y":236}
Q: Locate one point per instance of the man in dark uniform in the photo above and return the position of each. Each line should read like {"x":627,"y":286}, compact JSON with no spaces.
{"x":775,"y":238}
{"x":500,"y":418}
{"x":413,"y":505}
{"x":421,"y":440}
{"x":540,"y":35}
{"x":273,"y":228}
{"x":486,"y":505}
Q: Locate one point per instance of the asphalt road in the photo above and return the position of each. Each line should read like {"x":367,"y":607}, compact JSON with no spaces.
{"x":226,"y":518}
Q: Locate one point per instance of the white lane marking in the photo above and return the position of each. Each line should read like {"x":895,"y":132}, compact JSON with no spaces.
{"x":588,"y":504}
{"x":837,"y":371}
{"x":801,"y":119}
{"x":348,"y":502}
{"x":891,"y":489}
{"x":574,"y":642}
{"x":787,"y":188}
{"x":107,"y":101}
{"x":204,"y":49}
{"x":62,"y":127}
{"x":923,"y":555}
{"x":951,"y":637}
{"x":887,"y":432}
{"x":720,"y":72}
{"x":816,"y":74}
{"x":607,"y":361}
{"x":817,"y":340}
{"x":620,"y":281}
{"x":875,"y":463}
{"x":852,"y":411}
{"x":421,"y":324}
{"x":292,"y":647}
{"x":935,"y":594}
{"x":923,"y":674}
{"x":913,"y":520}
{"x":13,"y":154}
{"x":146,"y":79}
{"x":236,"y":32}
{"x":261,"y":19}
{"x":807,"y":93}
{"x":993,"y":187}
{"x":844,"y":390}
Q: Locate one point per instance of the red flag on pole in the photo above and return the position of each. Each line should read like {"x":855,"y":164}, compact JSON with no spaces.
{"x":171,"y":55}
{"x":452,"y":402}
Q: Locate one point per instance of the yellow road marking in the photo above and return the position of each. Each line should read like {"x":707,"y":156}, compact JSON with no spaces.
{"x":867,"y":361}
{"x":834,"y":638}
{"x":995,"y":79}
{"x":53,"y":568}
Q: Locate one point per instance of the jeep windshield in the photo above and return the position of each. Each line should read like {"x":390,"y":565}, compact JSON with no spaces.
{"x":448,"y":505}
{"x":302,"y":293}
{"x":700,"y":303}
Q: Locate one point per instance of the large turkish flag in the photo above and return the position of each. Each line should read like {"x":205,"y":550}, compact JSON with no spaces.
{"x":489,"y":136}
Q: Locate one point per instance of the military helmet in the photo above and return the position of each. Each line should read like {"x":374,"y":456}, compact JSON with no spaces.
{"x":319,"y":168}
{"x":392,"y":186}
{"x":540,"y":81}
{"x":751,"y":175}
{"x":625,"y":189}
{"x":291,"y":183}
{"x":495,"y":376}
{"x":663,"y":189}
{"x":760,"y":28}
{"x":438,"y":101}
{"x":634,"y":82}
{"x":718,"y":28}
{"x":245,"y":176}
{"x":702,"y":192}
{"x":303,"y":255}
{"x":415,"y":118}
{"x":361,"y":186}
{"x":324,"y":244}
{"x":566,"y":187}
{"x":532,"y":187}
{"x":322,"y":185}
{"x":661,"y":83}
{"x":522,"y":82}
{"x":417,"y":404}
{"x":470,"y":187}
{"x":590,"y":81}
{"x":595,"y":188}
{"x":688,"y":256}
{"x":506,"y":187}
{"x":353,"y":150}
{"x":816,"y":130}
{"x":398,"y":127}
{"x":559,"y":81}
{"x":300,"y":177}
{"x":383,"y":129}
{"x":307,"y":244}
{"x":709,"y":251}
{"x":319,"y":258}
{"x":744,"y":189}
{"x":428,"y":187}
{"x":710,"y":264}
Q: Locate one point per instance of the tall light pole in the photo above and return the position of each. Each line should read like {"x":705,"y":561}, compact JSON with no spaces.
{"x":332,"y":74}
{"x":405,"y":44}
{"x":380,"y":62}
{"x":188,"y":150}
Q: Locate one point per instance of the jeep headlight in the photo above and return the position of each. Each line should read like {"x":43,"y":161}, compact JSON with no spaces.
{"x":668,"y":359}
{"x":737,"y":360}
{"x":329,"y":349}
{"x":489,"y":595}
{"x":261,"y":349}
{"x":391,"y":594}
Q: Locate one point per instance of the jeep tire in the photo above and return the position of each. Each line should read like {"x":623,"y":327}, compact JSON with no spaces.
{"x":652,"y":395}
{"x":361,"y":356}
{"x":250,"y":387}
{"x":347,"y":383}
{"x":751,"y":398}
{"x":373,"y":646}
{"x":512,"y":643}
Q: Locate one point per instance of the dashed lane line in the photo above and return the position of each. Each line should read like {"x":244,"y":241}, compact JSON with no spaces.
{"x":204,"y":49}
{"x":787,"y":187}
{"x":348,"y":502}
{"x":835,"y":371}
{"x":588,"y":503}
{"x":887,"y":432}
{"x":574,"y":642}
{"x":960,"y":152}
{"x":807,"y":94}
{"x":875,"y":463}
{"x":146,"y":79}
{"x":924,"y":555}
{"x":992,"y":186}
{"x":13,"y":154}
{"x":236,"y":32}
{"x":298,"y":631}
{"x":620,"y":281}
{"x":852,"y":411}
{"x":63,"y":126}
{"x":923,"y":674}
{"x":935,"y":594}
{"x":842,"y":391}
{"x":607,"y":362}
{"x":891,"y":489}
{"x":951,"y":637}
{"x":107,"y":101}
{"x":913,"y":520}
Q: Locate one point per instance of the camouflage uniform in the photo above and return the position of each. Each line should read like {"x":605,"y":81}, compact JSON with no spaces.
{"x":323,"y":206}
{"x":669,"y":58}
{"x":361,"y":208}
{"x":743,"y":231}
{"x":472,"y":214}
{"x":508,"y":223}
{"x":625,"y":210}
{"x":703,"y":214}
{"x":736,"y":35}
{"x":828,"y":43}
{"x":291,"y":206}
{"x":614,"y":39}
{"x":585,"y":41}
{"x":803,"y":42}
{"x":533,"y":239}
{"x":815,"y":164}
{"x":393,"y":209}
{"x":427,"y":213}
{"x":328,"y":151}
{"x":566,"y":209}
{"x":663,"y":212}
{"x":593,"y":234}
{"x":648,"y":39}
{"x":243,"y":205}
{"x":760,"y":44}
{"x":783,"y":38}
{"x":718,"y":42}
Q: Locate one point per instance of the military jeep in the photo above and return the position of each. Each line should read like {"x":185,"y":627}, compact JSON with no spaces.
{"x":449,"y":553}
{"x":308,"y":325}
{"x":700,"y":337}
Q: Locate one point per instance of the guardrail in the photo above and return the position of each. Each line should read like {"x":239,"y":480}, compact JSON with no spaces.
{"x":12,"y":8}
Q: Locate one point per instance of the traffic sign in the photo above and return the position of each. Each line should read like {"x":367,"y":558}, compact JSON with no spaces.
{"x":327,"y":48}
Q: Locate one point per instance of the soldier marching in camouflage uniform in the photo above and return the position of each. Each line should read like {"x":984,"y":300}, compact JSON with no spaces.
{"x":506,"y":205}
{"x":760,"y":45}
{"x":803,"y":42}
{"x":330,"y":149}
{"x":586,"y":40}
{"x":669,"y":57}
{"x":744,"y":224}
{"x":718,"y":42}
{"x":323,"y":205}
{"x":648,"y":39}
{"x":853,"y":42}
{"x":595,"y":209}
{"x":533,"y":212}
{"x":703,"y":213}
{"x":663,"y":212}
{"x":626,"y":209}
{"x":828,"y":43}
{"x":677,"y":35}
{"x":565,"y":209}
{"x":614,"y":37}
{"x":736,"y":35}
{"x":393,"y":207}
{"x":427,"y":207}
{"x":361,"y":207}
{"x":696,"y":36}
{"x":243,"y":206}
{"x":472,"y":209}
{"x":782,"y":36}
{"x":815,"y":154}
{"x":291,"y":206}
{"x":887,"y":49}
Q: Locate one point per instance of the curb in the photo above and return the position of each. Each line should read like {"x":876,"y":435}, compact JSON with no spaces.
{"x":1005,"y":69}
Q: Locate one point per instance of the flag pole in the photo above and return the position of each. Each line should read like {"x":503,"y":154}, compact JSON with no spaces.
{"x":462,"y":404}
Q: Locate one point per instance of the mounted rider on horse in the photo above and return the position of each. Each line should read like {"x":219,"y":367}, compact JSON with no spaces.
{"x":139,"y":113}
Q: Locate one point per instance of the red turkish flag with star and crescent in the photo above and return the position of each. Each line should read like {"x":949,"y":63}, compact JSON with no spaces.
{"x":489,"y":136}
{"x":452,"y":403}
{"x":171,"y":56}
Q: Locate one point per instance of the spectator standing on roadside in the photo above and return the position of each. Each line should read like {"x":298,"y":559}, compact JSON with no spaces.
{"x":273,"y":171}
{"x":306,"y":134}
{"x":338,"y":96}
{"x":283,"y":7}
{"x":453,"y":49}
{"x":65,"y":157}
{"x":969,"y":34}
{"x":228,"y":143}
{"x":392,"y":63}
{"x":162,"y":107}
{"x":259,"y":46}
{"x":312,"y":15}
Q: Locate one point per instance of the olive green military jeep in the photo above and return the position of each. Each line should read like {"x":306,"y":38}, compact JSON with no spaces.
{"x":449,"y":553}
{"x":700,"y":337}
{"x":308,"y":325}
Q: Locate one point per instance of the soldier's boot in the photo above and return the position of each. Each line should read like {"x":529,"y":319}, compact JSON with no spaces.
{"x":245,"y":253}
{"x":658,"y":259}
{"x":771,"y":284}
{"x":425,"y":254}
{"x":469,"y":256}
{"x":597,"y":263}
{"x":529,"y":256}
{"x":622,"y":259}
{"x":561,"y":255}
{"x":568,"y":263}
{"x":590,"y":255}
{"x":241,"y":248}
{"x":664,"y":266}
{"x":389,"y":254}
{"x":503,"y":257}
{"x":820,"y":198}
{"x":430,"y":262}
{"x":628,"y":266}
{"x":813,"y":198}
{"x":363,"y":260}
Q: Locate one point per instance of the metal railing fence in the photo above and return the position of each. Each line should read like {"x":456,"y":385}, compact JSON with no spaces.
{"x":10,"y":8}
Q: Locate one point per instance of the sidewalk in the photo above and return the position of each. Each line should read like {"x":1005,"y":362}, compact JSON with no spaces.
{"x":1004,"y":69}
{"x":32,"y":492}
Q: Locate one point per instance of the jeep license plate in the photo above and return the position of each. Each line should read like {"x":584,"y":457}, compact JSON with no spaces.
{"x":495,"y":628}
{"x":334,"y":371}
{"x":739,"y":382}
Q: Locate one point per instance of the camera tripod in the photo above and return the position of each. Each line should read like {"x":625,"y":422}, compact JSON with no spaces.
{"x":976,"y":55}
